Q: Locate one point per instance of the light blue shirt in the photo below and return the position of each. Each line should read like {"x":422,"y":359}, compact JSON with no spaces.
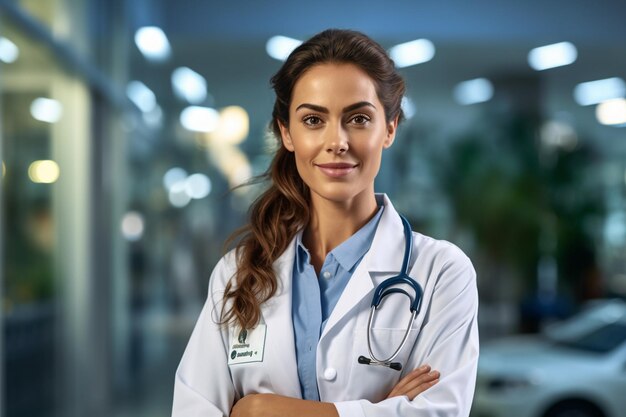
{"x":314,"y":299}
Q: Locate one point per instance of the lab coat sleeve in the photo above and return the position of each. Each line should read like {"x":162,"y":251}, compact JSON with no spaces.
{"x":448,"y":342}
{"x":203,"y":386}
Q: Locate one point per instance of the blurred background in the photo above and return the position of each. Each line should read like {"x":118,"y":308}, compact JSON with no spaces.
{"x":124,"y":125}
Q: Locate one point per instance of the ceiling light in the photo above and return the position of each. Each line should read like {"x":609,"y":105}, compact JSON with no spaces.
{"x":189,"y":85}
{"x":233,"y":126}
{"x":154,"y":118}
{"x":199,"y":119}
{"x":412,"y":53}
{"x":178,"y":196}
{"x":473,"y":91}
{"x":9,"y":52}
{"x":45,"y":171}
{"x":551,"y":56}
{"x":594,"y":92}
{"x":172,"y":176}
{"x":612,"y":112}
{"x":133,"y":226}
{"x":141,"y":95}
{"x":197,"y":186}
{"x":279,"y":47}
{"x":46,"y":110}
{"x":153,"y":43}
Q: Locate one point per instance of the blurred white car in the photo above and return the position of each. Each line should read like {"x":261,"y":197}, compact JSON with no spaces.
{"x":576,"y":369}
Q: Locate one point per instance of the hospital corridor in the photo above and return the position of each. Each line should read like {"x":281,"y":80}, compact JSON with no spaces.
{"x":134,"y":136}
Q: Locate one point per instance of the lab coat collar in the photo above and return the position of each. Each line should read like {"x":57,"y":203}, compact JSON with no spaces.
{"x":385,"y":256}
{"x":276,"y":313}
{"x":387,"y":250}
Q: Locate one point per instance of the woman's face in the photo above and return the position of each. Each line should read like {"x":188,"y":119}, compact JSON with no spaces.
{"x":337,"y":131}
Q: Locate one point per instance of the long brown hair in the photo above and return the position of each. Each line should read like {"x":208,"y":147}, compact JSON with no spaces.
{"x":283,"y":209}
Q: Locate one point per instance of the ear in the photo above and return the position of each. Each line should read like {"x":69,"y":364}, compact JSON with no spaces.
{"x":392,"y":126}
{"x":285,"y":137}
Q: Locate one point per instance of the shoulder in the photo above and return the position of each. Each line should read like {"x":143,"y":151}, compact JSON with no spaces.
{"x":227,"y":266}
{"x":446,"y":263}
{"x":223,"y":272}
{"x":440,"y":250}
{"x":451,"y":275}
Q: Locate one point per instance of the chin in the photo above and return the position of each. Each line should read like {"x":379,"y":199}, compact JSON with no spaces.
{"x":339,"y":193}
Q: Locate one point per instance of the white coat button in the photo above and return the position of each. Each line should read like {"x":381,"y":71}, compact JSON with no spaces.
{"x":326,"y":274}
{"x":330,"y":374}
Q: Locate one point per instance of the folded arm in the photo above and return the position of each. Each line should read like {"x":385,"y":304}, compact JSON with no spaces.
{"x":273,"y":405}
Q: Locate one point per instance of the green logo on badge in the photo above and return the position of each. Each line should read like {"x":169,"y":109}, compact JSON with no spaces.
{"x":243,"y":334}
{"x":233,"y":354}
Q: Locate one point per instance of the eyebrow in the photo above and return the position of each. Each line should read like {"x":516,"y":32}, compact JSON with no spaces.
{"x":346,"y":109}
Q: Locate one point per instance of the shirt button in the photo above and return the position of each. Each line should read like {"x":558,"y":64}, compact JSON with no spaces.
{"x":330,"y":374}
{"x":326,"y":274}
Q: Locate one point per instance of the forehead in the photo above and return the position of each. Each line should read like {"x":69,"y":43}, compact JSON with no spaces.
{"x":334,"y":84}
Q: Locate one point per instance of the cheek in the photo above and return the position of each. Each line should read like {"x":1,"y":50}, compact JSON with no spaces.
{"x":371,"y":151}
{"x":302,"y":165}
{"x":374,"y":166}
{"x":305,"y":147}
{"x":373,"y":162}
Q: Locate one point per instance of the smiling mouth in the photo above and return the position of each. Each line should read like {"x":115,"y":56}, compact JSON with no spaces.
{"x":336,"y":169}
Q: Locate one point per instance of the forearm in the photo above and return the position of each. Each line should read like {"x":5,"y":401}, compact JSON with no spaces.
{"x":273,"y":405}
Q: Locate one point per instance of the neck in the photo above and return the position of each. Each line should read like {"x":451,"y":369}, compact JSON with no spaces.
{"x":332,"y":223}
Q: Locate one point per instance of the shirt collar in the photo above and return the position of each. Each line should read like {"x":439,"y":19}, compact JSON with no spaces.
{"x":302,"y":254}
{"x":349,"y":252}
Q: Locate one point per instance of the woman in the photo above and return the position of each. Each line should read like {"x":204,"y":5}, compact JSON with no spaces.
{"x":287,"y":312}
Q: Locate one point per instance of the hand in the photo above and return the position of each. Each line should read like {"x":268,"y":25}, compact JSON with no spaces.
{"x":415,"y":382}
{"x":273,"y":405}
{"x":245,"y":406}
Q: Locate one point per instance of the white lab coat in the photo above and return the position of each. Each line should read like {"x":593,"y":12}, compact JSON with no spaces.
{"x":444,"y":336}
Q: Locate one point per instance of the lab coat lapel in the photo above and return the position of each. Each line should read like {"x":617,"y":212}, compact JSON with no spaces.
{"x":385,"y":255}
{"x":387,"y":250}
{"x":359,"y":286}
{"x":281,"y":350}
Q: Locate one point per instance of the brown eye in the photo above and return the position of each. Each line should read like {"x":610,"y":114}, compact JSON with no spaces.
{"x":312,"y":120}
{"x":360,"y":119}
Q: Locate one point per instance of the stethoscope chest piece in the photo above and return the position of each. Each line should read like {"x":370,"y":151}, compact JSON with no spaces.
{"x":390,"y":286}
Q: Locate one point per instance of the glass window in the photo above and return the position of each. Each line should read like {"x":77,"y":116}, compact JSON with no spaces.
{"x":28,"y":113}
{"x":601,"y":340}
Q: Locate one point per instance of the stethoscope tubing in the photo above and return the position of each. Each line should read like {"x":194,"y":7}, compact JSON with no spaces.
{"x":374,"y":359}
{"x":386,"y":288}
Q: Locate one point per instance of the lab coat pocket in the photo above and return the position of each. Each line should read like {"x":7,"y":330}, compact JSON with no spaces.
{"x":375,"y":382}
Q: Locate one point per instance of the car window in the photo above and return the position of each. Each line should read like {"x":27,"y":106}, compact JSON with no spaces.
{"x":601,"y":340}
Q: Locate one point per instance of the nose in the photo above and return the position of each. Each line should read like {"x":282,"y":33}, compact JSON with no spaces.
{"x":337,"y":140}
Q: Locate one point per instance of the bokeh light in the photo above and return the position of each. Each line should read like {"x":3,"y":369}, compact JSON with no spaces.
{"x":44,"y":171}
{"x":153,"y":43}
{"x":133,"y":226}
{"x":199,"y":119}
{"x":9,"y":52}
{"x":412,"y":53}
{"x":46,"y":110}
{"x":279,"y":47}
{"x":552,"y":56}
{"x":198,"y":186}
{"x":612,"y":112}
{"x":233,"y":126}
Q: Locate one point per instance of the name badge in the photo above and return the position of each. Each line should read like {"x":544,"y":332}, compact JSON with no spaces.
{"x":247,"y":345}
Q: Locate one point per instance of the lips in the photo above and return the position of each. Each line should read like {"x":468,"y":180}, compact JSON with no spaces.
{"x":336,"y":169}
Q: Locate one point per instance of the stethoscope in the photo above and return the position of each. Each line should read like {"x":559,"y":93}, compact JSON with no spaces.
{"x":387,"y":287}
